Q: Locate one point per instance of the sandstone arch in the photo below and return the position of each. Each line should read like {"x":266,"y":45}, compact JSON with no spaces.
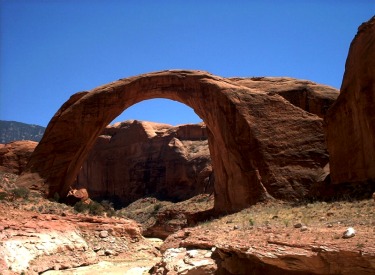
{"x":260,"y":143}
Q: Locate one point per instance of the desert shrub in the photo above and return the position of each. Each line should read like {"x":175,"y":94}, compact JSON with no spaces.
{"x":108,"y":208}
{"x":157,"y":207}
{"x":93,"y":208}
{"x":21,"y":192}
{"x":81,"y":207}
{"x":55,"y":198}
{"x":3,"y":195}
{"x":96,"y":208}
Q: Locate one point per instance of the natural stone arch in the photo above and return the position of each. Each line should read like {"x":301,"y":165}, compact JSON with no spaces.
{"x":258,"y":140}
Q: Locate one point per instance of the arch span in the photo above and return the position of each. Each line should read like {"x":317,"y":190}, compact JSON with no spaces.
{"x":260,"y":144}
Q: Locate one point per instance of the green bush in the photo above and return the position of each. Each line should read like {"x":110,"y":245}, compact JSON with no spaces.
{"x":81,"y":207}
{"x":21,"y":192}
{"x":3,"y":195}
{"x":96,"y":208}
{"x":93,"y":208}
{"x":108,"y":208}
{"x":157,"y":207}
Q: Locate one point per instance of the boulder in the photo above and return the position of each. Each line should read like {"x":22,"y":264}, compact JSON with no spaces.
{"x":135,"y":159}
{"x":182,"y":261}
{"x":350,"y":122}
{"x":15,"y":155}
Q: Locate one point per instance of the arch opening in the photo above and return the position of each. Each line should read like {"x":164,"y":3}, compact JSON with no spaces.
{"x":134,"y":159}
{"x":160,"y":110}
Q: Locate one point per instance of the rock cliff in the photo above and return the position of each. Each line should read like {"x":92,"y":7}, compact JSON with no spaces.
{"x":15,"y":155}
{"x":134,"y":159}
{"x":350,"y":123}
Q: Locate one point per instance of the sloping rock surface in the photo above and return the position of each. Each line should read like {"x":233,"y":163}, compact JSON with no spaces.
{"x":267,"y":250}
{"x":135,"y":159}
{"x":350,"y":122}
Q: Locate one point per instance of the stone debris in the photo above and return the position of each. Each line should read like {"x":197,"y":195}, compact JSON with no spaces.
{"x":103,"y":234}
{"x":183,"y":261}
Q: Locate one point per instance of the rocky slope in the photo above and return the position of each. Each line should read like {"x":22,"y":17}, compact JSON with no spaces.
{"x":274,"y":238}
{"x":13,"y":131}
{"x":136,"y":159}
{"x":37,"y":235}
{"x":277,"y":239}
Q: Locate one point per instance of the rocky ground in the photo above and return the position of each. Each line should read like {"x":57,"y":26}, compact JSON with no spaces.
{"x":41,"y":236}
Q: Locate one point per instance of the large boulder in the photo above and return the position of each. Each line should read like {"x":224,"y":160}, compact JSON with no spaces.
{"x":261,"y":144}
{"x":350,"y":123}
{"x":134,"y":159}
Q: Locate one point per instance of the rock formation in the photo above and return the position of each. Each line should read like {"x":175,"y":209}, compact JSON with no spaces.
{"x":134,"y":159}
{"x":307,"y":95}
{"x":260,"y":143}
{"x":262,"y":250}
{"x":350,"y":121}
{"x":32,"y":243}
{"x":15,"y":155}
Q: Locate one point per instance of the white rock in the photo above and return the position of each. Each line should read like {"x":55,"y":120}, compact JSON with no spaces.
{"x":192,"y":253}
{"x":350,"y":232}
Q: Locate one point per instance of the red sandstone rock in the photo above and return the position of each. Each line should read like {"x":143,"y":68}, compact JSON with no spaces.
{"x":311,"y":97}
{"x":15,"y":155}
{"x":134,"y":159}
{"x":80,"y":194}
{"x":351,"y":120}
{"x":32,"y":242}
{"x":260,"y":143}
{"x":262,"y":250}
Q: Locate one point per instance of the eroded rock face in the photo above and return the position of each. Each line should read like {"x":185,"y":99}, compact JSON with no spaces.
{"x":260,"y":143}
{"x":351,"y":120}
{"x":134,"y":159}
{"x":15,"y":155}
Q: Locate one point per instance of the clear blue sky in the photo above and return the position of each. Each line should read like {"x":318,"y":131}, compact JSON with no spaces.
{"x":52,"y":49}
